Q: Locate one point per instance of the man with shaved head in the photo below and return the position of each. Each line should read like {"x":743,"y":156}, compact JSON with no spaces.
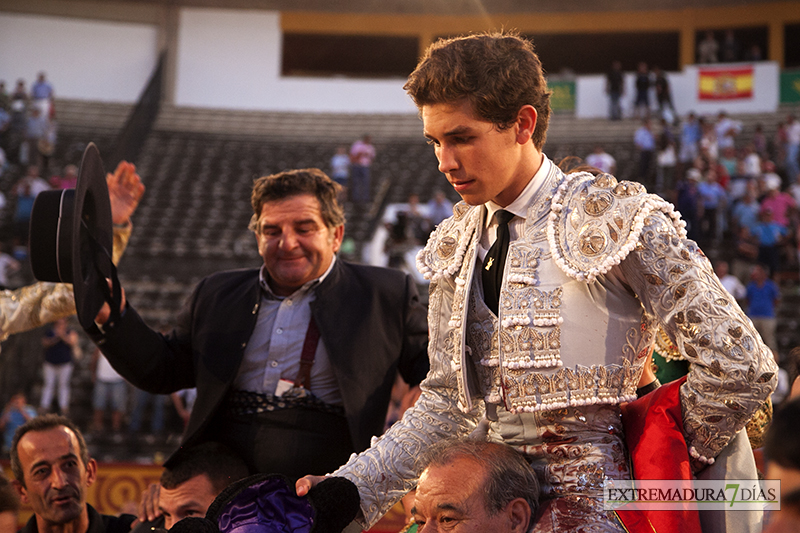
{"x":53,"y":472}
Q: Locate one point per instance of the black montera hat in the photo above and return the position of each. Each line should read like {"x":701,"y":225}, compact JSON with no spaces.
{"x":71,"y":239}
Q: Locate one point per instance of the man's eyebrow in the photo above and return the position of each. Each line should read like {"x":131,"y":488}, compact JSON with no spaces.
{"x":294,"y":223}
{"x":37,"y":464}
{"x":189,"y":505}
{"x":450,"y":507}
{"x":458,"y":130}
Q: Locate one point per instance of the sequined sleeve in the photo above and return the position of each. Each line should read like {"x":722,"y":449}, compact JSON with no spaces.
{"x":386,"y":471}
{"x":732,"y":371}
{"x":31,"y":306}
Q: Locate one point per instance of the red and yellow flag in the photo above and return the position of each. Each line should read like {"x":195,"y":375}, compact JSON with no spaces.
{"x":725,"y":83}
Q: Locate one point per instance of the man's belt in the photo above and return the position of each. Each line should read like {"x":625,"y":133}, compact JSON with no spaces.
{"x":249,"y":403}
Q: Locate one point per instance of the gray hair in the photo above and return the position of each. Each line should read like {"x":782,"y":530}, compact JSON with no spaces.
{"x":508,"y":475}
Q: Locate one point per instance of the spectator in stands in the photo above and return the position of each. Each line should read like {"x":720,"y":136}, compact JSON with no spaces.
{"x":407,"y":234}
{"x":792,"y":147}
{"x":666,"y":161}
{"x":42,"y":95}
{"x":243,"y":351}
{"x":60,"y":344}
{"x":666,"y":109}
{"x":646,"y":145}
{"x":19,"y":106}
{"x":9,"y":505}
{"x":36,"y":129}
{"x":67,"y":180}
{"x":439,"y":207}
{"x":744,"y":216}
{"x":689,"y":203}
{"x":5,"y":127}
{"x":728,"y":160}
{"x":642,"y":103}
{"x":760,"y":142}
{"x":726,"y":130}
{"x":780,"y":203}
{"x":142,"y":399}
{"x":794,"y":191}
{"x":737,"y":185}
{"x":183,"y":401}
{"x":189,"y":485}
{"x":763,"y":297}
{"x":729,"y":50}
{"x":752,"y":161}
{"x":602,"y":160}
{"x":340,"y":166}
{"x":5,"y":98}
{"x":731,"y":283}
{"x":16,"y":413}
{"x":709,"y":147}
{"x":753,"y":53}
{"x":8,"y":266}
{"x":770,"y":236}
{"x":715,"y":201}
{"x":615,"y":89}
{"x":708,"y":49}
{"x":690,"y":139}
{"x":481,"y":486}
{"x":362,"y":153}
{"x":110,"y":389}
{"x":32,"y":178}
{"x":53,"y":473}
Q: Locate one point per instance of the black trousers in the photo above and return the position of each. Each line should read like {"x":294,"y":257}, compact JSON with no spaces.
{"x":293,"y":442}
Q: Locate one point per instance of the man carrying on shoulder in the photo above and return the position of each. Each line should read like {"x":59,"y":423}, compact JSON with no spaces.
{"x":189,"y":485}
{"x":53,"y":472}
{"x":547,"y":291}
{"x":476,"y":486}
{"x":294,"y":361}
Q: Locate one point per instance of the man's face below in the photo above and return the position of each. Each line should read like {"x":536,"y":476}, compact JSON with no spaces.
{"x":55,"y":477}
{"x":193,"y":497}
{"x":294,"y":242}
{"x":453,"y":498}
{"x":480,"y":161}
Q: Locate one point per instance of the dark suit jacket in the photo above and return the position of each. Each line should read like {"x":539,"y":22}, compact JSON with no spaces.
{"x":369,"y":318}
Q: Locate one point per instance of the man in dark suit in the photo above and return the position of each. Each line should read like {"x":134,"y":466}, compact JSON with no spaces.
{"x":293,"y":362}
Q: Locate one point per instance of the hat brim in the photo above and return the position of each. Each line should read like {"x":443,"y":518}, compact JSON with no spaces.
{"x":71,"y":237}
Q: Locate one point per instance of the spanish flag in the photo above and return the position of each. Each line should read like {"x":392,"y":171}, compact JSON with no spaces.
{"x":725,"y":83}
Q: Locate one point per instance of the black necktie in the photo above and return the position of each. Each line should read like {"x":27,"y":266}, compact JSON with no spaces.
{"x":495,"y":261}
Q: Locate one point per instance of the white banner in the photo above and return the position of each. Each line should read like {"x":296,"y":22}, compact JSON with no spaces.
{"x":677,"y":495}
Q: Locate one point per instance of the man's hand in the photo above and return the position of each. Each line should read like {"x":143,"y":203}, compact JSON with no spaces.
{"x":105,"y":311}
{"x":125,"y":189}
{"x":148,"y":507}
{"x":304,"y":484}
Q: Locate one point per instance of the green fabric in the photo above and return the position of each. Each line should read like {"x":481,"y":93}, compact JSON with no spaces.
{"x":667,"y":371}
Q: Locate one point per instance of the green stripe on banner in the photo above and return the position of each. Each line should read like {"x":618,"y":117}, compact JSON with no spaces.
{"x":563,"y":97}
{"x":790,"y":86}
